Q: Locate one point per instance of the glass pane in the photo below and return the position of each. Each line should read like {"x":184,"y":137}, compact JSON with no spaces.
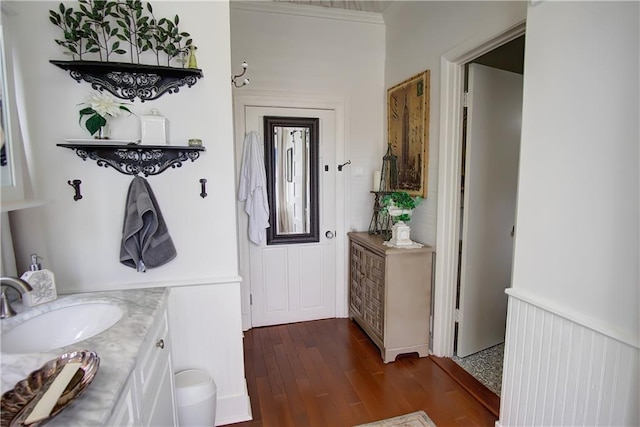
{"x":291,"y":163}
{"x":291,"y":146}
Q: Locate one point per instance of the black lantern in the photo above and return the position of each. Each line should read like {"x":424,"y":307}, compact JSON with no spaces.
{"x":389,"y":174}
{"x":381,"y":221}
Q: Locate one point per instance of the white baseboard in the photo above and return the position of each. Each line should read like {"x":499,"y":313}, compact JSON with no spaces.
{"x":233,"y":409}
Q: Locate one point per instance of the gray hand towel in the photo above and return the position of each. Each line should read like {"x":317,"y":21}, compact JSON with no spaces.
{"x":146,"y":242}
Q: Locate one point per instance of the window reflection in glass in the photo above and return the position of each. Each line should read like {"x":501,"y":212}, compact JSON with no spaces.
{"x":291,"y":160}
{"x":292,"y":179}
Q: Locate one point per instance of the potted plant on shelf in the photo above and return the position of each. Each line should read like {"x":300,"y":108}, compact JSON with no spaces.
{"x":100,"y":107}
{"x":400,"y":205}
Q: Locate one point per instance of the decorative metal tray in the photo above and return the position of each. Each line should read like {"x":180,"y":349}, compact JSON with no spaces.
{"x":16,"y":404}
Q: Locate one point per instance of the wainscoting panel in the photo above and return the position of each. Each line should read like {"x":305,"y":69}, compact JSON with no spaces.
{"x":206,"y":333}
{"x":559,"y":372}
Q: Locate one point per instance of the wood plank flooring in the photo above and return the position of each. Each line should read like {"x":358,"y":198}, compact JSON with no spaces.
{"x":327,"y":373}
{"x":489,"y":399}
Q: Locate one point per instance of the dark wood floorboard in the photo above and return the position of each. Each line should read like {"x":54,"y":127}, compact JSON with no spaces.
{"x":327,"y":373}
{"x":489,"y":399}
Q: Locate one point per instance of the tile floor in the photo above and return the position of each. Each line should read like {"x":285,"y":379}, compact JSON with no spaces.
{"x":485,"y":366}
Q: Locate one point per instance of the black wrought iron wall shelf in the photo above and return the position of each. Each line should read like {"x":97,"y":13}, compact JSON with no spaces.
{"x":130,"y":81}
{"x":136,"y":159}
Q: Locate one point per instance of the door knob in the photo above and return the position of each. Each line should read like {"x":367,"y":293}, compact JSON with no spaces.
{"x":329,"y":234}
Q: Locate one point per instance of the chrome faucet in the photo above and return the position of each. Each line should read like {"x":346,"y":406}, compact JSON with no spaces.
{"x":11,"y":282}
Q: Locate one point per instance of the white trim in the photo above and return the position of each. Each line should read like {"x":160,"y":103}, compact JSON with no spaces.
{"x":194,"y":281}
{"x":21,"y":204}
{"x":310,"y":11}
{"x":577,"y":318}
{"x":448,"y":210}
{"x":233,"y":409}
{"x":290,"y":100}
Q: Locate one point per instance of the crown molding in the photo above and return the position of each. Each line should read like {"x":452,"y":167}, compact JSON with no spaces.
{"x":309,"y":11}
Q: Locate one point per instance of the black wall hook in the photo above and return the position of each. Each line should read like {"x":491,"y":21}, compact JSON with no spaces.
{"x":342,"y":165}
{"x":76,"y":186}
{"x":203,"y":186}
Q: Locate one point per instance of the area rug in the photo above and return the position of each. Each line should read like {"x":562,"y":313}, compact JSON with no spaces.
{"x":414,"y":419}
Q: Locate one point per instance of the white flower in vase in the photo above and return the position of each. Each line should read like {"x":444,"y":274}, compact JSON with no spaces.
{"x":100,"y":107}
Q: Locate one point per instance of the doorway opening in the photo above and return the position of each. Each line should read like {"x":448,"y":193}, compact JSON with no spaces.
{"x":488,"y":174}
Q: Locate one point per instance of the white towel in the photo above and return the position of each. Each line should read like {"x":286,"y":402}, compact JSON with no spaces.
{"x":252,"y":188}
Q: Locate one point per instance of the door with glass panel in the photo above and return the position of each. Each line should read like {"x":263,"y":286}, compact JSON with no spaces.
{"x":292,"y":273}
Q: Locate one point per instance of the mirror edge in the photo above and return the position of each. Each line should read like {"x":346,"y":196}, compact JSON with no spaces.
{"x":313,"y":123}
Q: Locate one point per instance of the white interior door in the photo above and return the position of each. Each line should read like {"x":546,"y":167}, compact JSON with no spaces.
{"x":494,"y":117}
{"x":297,"y":282}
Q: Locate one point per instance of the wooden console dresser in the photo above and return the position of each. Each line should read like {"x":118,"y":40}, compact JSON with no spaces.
{"x":390,"y":294}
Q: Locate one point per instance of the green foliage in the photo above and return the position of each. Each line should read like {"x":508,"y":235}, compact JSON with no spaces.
{"x":118,"y":27}
{"x":172,"y":38}
{"x":70,"y":24}
{"x":131,"y":22}
{"x":402,"y":200}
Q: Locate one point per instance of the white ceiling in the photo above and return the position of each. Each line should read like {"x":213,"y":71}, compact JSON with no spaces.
{"x":377,"y":6}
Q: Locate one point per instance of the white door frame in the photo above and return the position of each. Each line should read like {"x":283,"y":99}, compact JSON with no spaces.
{"x":287,"y":100}
{"x":448,"y":211}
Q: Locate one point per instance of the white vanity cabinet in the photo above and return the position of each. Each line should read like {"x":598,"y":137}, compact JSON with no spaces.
{"x":149,"y":398}
{"x":154,"y":374}
{"x":125,"y":413}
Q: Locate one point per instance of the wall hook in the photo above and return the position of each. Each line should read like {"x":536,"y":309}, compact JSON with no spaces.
{"x":76,"y":186}
{"x":203,"y":186}
{"x":245,"y":81}
{"x":342,"y":165}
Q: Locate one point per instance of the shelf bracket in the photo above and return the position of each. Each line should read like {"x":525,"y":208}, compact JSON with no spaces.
{"x":136,"y":159}
{"x":128,"y":81}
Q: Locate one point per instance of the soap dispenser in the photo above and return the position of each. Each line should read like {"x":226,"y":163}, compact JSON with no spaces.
{"x":42,"y":282}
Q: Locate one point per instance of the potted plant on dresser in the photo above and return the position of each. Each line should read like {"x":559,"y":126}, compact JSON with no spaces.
{"x":400,"y":205}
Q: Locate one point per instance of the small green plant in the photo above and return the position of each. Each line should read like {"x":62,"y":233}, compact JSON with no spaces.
{"x":69,"y":22}
{"x":132,"y":24}
{"x":173,"y":41}
{"x":401,"y":200}
{"x":103,"y":28}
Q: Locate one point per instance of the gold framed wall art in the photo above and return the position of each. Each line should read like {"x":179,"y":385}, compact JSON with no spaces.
{"x":408,"y":132}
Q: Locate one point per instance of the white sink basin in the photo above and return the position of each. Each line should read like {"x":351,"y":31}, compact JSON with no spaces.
{"x":60,"y":327}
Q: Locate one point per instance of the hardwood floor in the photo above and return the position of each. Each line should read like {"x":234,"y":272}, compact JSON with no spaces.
{"x":327,"y":373}
{"x":486,"y":397}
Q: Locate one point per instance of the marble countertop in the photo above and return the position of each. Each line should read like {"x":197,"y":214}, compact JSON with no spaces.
{"x":117,"y":348}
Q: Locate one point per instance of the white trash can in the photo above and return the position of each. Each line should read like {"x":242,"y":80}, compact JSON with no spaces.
{"x":195,"y":398}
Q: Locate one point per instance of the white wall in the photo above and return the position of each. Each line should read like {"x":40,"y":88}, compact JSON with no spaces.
{"x":318,"y":58}
{"x":208,"y":317}
{"x":577,"y":219}
{"x":418,"y":33}
{"x":573,"y":322}
{"x":80,"y":240}
{"x":558,"y":372}
{"x":300,"y":51}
